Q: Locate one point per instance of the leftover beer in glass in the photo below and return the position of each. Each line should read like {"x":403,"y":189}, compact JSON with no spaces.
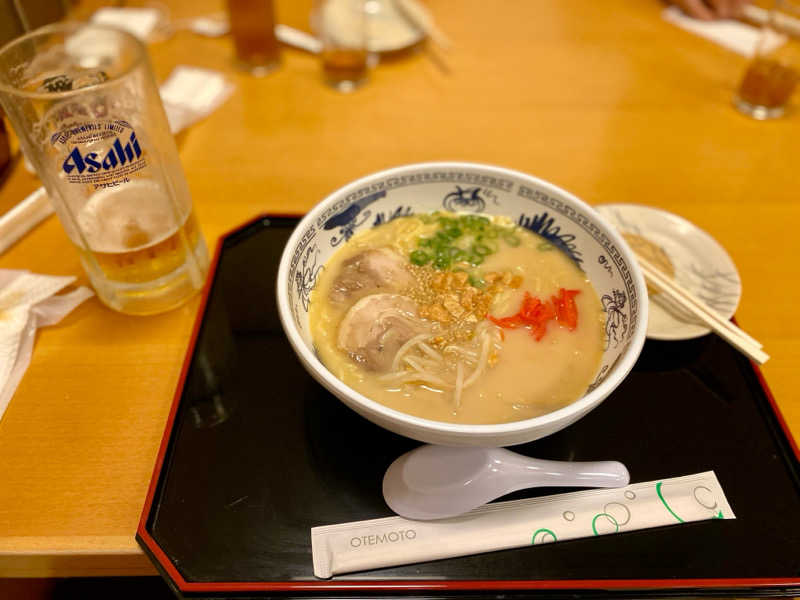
{"x":253,"y":32}
{"x":84,"y":103}
{"x":771,"y":76}
{"x":342,"y":27}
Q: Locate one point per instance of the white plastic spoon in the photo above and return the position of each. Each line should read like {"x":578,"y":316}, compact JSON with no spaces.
{"x":436,"y":482}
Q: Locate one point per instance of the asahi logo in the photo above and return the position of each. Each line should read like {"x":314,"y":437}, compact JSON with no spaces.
{"x":116,"y":156}
{"x":383,"y":538}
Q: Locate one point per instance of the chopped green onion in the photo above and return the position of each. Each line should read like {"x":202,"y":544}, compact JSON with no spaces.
{"x":419,"y":257}
{"x":441,"y":262}
{"x":461,"y":240}
{"x":441,"y":237}
{"x":474,"y":222}
{"x":476,"y":281}
{"x":481,"y":249}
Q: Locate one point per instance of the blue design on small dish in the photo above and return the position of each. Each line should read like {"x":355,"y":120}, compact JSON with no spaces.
{"x":718,"y":289}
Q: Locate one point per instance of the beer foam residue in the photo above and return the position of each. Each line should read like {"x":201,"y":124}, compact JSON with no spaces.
{"x":133,"y":216}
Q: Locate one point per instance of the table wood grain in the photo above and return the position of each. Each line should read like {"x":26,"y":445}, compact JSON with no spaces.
{"x":601,"y":98}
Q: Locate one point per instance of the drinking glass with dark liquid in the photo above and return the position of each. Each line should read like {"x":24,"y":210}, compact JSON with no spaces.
{"x":772,"y":75}
{"x":341,"y":25}
{"x":253,"y":31}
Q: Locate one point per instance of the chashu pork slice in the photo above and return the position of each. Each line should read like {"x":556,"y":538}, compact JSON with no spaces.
{"x":375,"y":328}
{"x":370,"y":271}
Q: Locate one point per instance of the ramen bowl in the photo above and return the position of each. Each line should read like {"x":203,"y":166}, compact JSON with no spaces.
{"x":562,"y":219}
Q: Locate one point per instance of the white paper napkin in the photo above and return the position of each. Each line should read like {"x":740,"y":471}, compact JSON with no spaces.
{"x":378,"y":543}
{"x":141,"y":22}
{"x":192,"y":93}
{"x":733,"y":35}
{"x":214,"y":25}
{"x":27,"y":302}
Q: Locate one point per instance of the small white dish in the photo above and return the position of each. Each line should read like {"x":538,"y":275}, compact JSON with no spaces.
{"x":700,"y":264}
{"x":388,"y":29}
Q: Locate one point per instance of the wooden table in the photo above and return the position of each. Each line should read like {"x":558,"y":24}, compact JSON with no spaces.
{"x":601,"y":98}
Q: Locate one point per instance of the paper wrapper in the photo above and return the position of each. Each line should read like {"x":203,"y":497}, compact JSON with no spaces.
{"x":738,"y":37}
{"x":143,"y":22}
{"x":28,"y":301}
{"x":392,"y":541}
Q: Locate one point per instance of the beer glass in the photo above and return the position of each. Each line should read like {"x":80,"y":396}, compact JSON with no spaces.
{"x":253,"y":31}
{"x":85,"y":106}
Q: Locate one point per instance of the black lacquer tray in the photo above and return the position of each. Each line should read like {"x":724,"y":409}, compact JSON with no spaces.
{"x":255,"y":453}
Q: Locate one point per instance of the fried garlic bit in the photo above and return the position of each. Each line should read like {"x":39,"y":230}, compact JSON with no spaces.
{"x":449,"y":298}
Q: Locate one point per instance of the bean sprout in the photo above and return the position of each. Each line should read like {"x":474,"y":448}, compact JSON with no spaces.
{"x":417,"y":362}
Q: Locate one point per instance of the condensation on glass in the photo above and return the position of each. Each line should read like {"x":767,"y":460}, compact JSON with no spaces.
{"x":85,"y":105}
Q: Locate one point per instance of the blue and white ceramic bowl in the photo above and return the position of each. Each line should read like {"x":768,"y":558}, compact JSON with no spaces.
{"x":560,"y":217}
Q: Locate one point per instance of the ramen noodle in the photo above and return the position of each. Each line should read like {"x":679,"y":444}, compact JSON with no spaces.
{"x":458,"y":318}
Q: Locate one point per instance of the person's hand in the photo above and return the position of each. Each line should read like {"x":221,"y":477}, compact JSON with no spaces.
{"x":711,"y":9}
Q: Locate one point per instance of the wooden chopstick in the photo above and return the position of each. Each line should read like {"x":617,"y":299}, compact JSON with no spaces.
{"x":740,"y":340}
{"x":690,"y":302}
{"x":656,"y":273}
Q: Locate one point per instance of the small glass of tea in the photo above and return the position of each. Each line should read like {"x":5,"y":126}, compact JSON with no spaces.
{"x":772,"y":75}
{"x":341,"y":25}
{"x":253,"y":32}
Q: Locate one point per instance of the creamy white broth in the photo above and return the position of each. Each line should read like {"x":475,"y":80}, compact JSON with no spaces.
{"x":527,"y":379}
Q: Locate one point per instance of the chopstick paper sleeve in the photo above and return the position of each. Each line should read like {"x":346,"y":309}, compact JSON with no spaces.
{"x":23,"y":217}
{"x":392,"y":541}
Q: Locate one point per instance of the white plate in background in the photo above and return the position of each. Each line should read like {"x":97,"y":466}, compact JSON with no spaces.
{"x":700,"y":264}
{"x":388,"y":30}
